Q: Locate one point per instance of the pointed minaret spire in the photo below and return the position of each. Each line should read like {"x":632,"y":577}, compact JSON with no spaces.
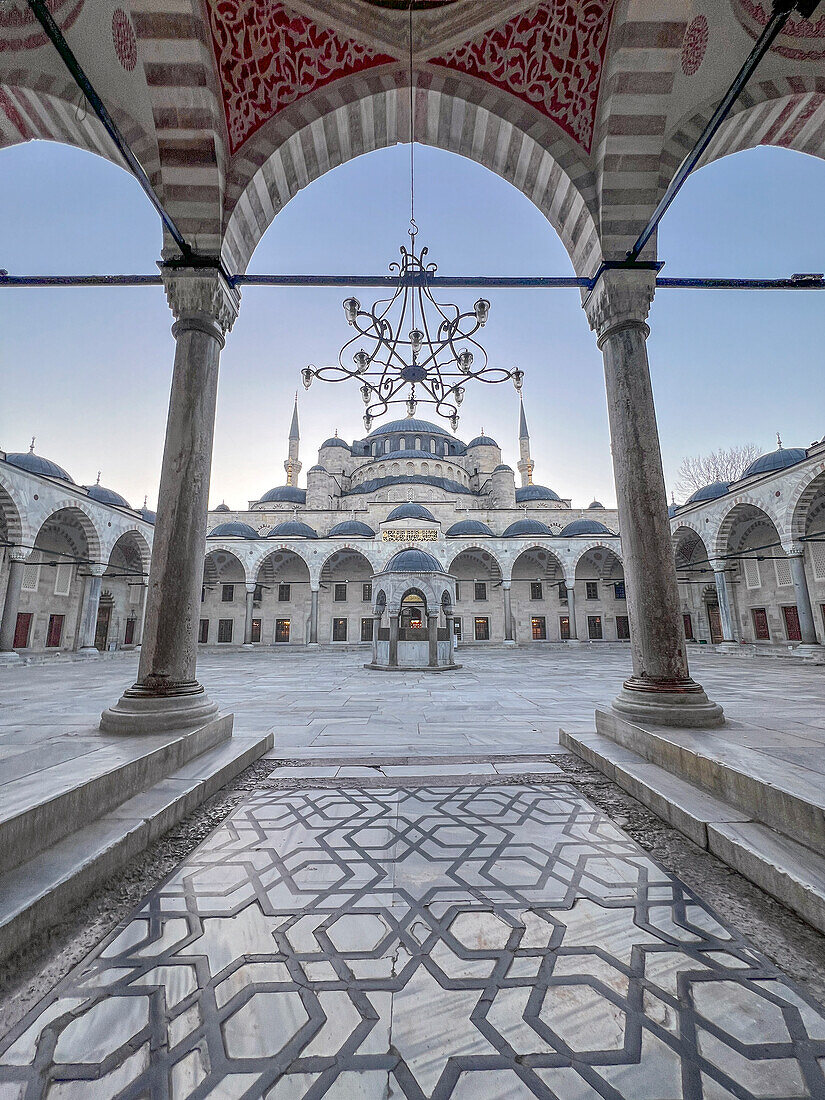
{"x":525,"y":463}
{"x":292,"y":465}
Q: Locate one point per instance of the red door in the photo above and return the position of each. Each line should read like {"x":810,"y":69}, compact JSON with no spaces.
{"x":21,"y":630}
{"x":792,"y":627}
{"x":55,"y":631}
{"x":715,"y":623}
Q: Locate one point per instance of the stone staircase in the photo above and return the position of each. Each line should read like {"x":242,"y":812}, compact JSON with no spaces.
{"x":761,"y":815}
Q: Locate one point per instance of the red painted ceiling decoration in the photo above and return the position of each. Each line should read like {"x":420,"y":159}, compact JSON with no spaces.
{"x":19,"y":29}
{"x":801,"y":39}
{"x":550,"y":56}
{"x":268,"y":56}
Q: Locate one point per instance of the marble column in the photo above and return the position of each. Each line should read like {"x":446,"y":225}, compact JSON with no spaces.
{"x":250,"y":610}
{"x":141,"y":617}
{"x":376,"y":626}
{"x":313,"y":617}
{"x":167,"y":694}
{"x":432,"y":638}
{"x":11,"y":605}
{"x":508,"y":614}
{"x":725,"y":610}
{"x":393,"y":661}
{"x":802,"y":595}
{"x":448,"y":616}
{"x":571,"y":612}
{"x":660,"y":689}
{"x":88,"y":612}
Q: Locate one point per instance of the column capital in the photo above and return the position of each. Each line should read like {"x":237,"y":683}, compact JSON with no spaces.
{"x":17,"y":553}
{"x":795,"y":550}
{"x":95,"y":570}
{"x":505,"y":584}
{"x":620,"y":299}
{"x":250,"y":587}
{"x":201,"y":294}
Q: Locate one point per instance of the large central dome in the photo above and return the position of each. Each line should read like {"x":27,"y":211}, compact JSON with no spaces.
{"x":410,"y":425}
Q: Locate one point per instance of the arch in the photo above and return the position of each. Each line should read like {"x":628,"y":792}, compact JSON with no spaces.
{"x":550,"y":556}
{"x":456,"y":113}
{"x":799,"y":506}
{"x":741,"y":511}
{"x":11,"y":522}
{"x":342,"y":554}
{"x":596,"y":544}
{"x":276,"y":558}
{"x":218,"y":562}
{"x":134,"y":548}
{"x":483,"y":554}
{"x":604,"y":559}
{"x":75,"y":518}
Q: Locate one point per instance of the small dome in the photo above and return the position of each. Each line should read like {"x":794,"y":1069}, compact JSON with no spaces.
{"x":527,"y":527}
{"x":411,"y":511}
{"x":233,"y":531}
{"x":469,"y":527}
{"x":221,"y":508}
{"x":106,"y":496}
{"x":414,"y":561}
{"x":535,"y":492}
{"x":503,"y":468}
{"x":292,"y":529}
{"x":34,"y":464}
{"x":334,"y":441}
{"x":775,"y":460}
{"x":424,"y":427}
{"x":317,"y":469}
{"x":672,"y":509}
{"x":594,"y":504}
{"x":289,"y":493}
{"x":585,"y":527}
{"x":352,"y":528}
{"x":713,"y":491}
{"x":482,"y":441}
{"x":148,"y":515}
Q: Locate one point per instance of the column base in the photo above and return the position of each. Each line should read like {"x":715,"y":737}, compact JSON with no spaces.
{"x":10,"y":658}
{"x":137,"y":711}
{"x":509,"y":641}
{"x":728,"y":647}
{"x":312,"y":645}
{"x":88,"y":651}
{"x":573,"y":641}
{"x":682,"y":703}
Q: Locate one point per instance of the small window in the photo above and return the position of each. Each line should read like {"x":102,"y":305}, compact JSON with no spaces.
{"x":224,"y":630}
{"x":618,"y":590}
{"x":63,"y":579}
{"x":594,"y":627}
{"x":366,"y":592}
{"x":538,"y":625}
{"x":480,"y":590}
{"x":258,"y":594}
{"x":366,"y":629}
{"x":562,"y":592}
{"x":761,"y":630}
{"x":31,"y":577}
{"x":134,"y":592}
{"x":340,"y":593}
{"x":457,"y":628}
{"x":203,"y":630}
{"x":536,"y":590}
{"x":255,"y":635}
{"x":457,"y":591}
{"x":55,"y":632}
{"x":284,"y":591}
{"x":591,"y":590}
{"x":339,"y":630}
{"x":418,"y":443}
{"x":688,"y":621}
{"x":482,"y":627}
{"x":282,"y":630}
{"x":623,"y":628}
{"x":227,"y":593}
{"x":203,"y":592}
{"x":564,"y":628}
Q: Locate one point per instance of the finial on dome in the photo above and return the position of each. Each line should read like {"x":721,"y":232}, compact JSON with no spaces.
{"x":31,"y":446}
{"x":482,"y":429}
{"x":336,"y":433}
{"x":779,"y":440}
{"x":98,"y":478}
{"x":672,"y":497}
{"x":145,"y":500}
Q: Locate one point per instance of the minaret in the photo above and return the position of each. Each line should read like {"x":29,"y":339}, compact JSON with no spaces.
{"x":293,"y":463}
{"x":525,"y":463}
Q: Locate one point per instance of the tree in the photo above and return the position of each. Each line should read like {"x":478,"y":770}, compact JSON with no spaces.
{"x":726,"y":464}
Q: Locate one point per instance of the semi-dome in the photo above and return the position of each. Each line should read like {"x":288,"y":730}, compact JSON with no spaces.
{"x":292,"y":529}
{"x":289,"y":493}
{"x":414,"y":561}
{"x":482,"y":441}
{"x":36,"y":464}
{"x":594,"y":504}
{"x":106,"y":496}
{"x":535,"y":492}
{"x":527,"y":527}
{"x":352,"y":529}
{"x":335,"y":441}
{"x":234,"y":530}
{"x":503,"y":467}
{"x":411,"y":511}
{"x":775,"y":460}
{"x":409,"y":425}
{"x":585,"y":527}
{"x":469,"y":528}
{"x":222,"y":508}
{"x":713,"y":491}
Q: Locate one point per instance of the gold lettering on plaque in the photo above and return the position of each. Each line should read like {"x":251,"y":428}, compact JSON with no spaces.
{"x":409,"y":534}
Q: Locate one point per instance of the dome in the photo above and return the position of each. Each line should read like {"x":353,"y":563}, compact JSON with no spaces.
{"x":775,"y":460}
{"x":585,"y":527}
{"x":594,"y":504}
{"x":527,"y":527}
{"x":292,"y":529}
{"x":233,"y":531}
{"x":148,"y":515}
{"x":672,"y":509}
{"x":482,"y":441}
{"x":317,"y":469}
{"x":352,"y":528}
{"x":503,"y":468}
{"x":34,"y":464}
{"x":413,"y":561}
{"x":469,"y":527}
{"x":221,"y":508}
{"x":411,"y":511}
{"x":408,"y":425}
{"x":535,"y":492}
{"x":334,"y":441}
{"x":106,"y":496}
{"x":713,"y":491}
{"x":289,"y":493}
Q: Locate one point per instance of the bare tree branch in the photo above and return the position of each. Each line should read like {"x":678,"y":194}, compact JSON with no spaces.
{"x":725,"y":464}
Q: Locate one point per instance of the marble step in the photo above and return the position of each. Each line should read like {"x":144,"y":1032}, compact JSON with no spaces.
{"x":789,"y":871}
{"x":44,"y":798}
{"x":38,"y":893}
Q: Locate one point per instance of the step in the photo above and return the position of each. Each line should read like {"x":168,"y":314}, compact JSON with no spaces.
{"x":58,"y":787}
{"x":38,"y":893}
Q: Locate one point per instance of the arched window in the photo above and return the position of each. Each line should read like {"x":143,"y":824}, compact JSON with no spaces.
{"x":438,"y":469}
{"x":432,"y":445}
{"x":396,"y":469}
{"x":402,"y":444}
{"x":410,"y":468}
{"x":425,"y":467}
{"x":418,"y":442}
{"x":386,"y":446}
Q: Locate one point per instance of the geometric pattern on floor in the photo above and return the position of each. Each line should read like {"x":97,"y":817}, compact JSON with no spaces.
{"x":473,"y":943}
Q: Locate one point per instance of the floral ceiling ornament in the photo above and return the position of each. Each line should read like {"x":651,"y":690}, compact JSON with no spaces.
{"x":800,"y":40}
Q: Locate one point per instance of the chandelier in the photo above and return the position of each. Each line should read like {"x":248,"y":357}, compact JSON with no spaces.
{"x":412,"y":349}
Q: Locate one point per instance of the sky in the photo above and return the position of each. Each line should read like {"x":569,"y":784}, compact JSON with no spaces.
{"x":87,"y":372}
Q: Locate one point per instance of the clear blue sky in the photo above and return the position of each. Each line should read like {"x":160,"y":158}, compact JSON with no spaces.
{"x":87,"y":371}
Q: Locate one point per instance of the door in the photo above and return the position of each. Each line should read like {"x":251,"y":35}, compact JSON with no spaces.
{"x":538,"y":626}
{"x":688,"y":621}
{"x":256,"y":630}
{"x":564,"y":628}
{"x":21,"y":630}
{"x":594,"y":628}
{"x":715,"y":622}
{"x":792,"y":627}
{"x":282,"y":630}
{"x":104,"y":615}
{"x":55,"y":631}
{"x":129,"y":636}
{"x":761,"y":629}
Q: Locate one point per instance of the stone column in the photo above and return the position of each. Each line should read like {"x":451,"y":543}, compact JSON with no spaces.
{"x":140,"y":617}
{"x":448,"y":617}
{"x":88,"y":612}
{"x":393,"y":661}
{"x":247,"y":626}
{"x":432,"y":638}
{"x":802,"y":595}
{"x":660,"y":689}
{"x":167,"y":694}
{"x":508,"y":615}
{"x":11,"y":605}
{"x":571,"y":612}
{"x":725,"y":611}
{"x":376,"y":626}
{"x":313,"y":618}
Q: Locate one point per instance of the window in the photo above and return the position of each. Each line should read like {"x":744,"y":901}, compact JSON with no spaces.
{"x":752,"y":577}
{"x":480,"y":590}
{"x":62,"y":578}
{"x":258,"y":595}
{"x":457,"y":591}
{"x":457,"y":626}
{"x":227,"y":593}
{"x":55,"y":631}
{"x":591,"y":590}
{"x":129,"y":633}
{"x":203,"y":630}
{"x":366,"y":592}
{"x":224,"y":630}
{"x":618,"y":590}
{"x":783,"y":571}
{"x":366,"y":629}
{"x":21,"y":630}
{"x":792,"y":628}
{"x":594,"y":627}
{"x":564,"y":628}
{"x":339,"y":630}
{"x":256,"y":631}
{"x":284,"y":591}
{"x":340,"y":593}
{"x":761,"y":630}
{"x":562,"y":592}
{"x":282,"y":630}
{"x":538,"y":625}
{"x":623,"y":628}
{"x":688,"y":621}
{"x":134,"y":592}
{"x":203,"y":592}
{"x":536,"y":590}
{"x":31,"y":576}
{"x":482,"y":627}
